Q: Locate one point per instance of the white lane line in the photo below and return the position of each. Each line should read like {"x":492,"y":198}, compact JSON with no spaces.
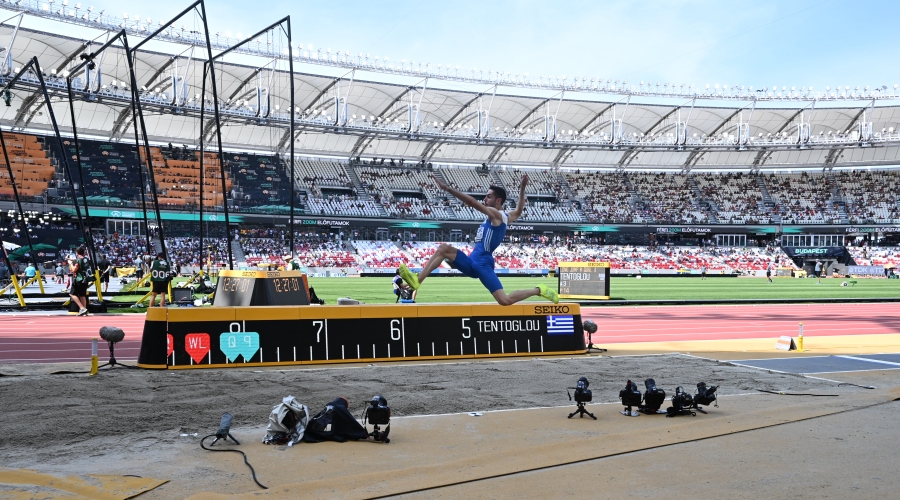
{"x":871,"y":360}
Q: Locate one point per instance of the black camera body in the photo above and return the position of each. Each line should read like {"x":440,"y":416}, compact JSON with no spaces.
{"x":582,"y":393}
{"x":685,"y":404}
{"x":654,"y":397}
{"x":682,"y":404}
{"x":379,"y":413}
{"x":630,"y":395}
{"x":705,"y":395}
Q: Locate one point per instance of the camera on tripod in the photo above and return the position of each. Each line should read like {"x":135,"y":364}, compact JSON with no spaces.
{"x":685,"y":404}
{"x":379,"y":413}
{"x":705,"y":395}
{"x":630,"y":396}
{"x":681,"y":403}
{"x":654,"y":397}
{"x":582,"y":395}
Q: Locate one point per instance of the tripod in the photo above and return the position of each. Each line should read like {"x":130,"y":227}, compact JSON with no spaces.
{"x":112,"y":363}
{"x":591,"y":346}
{"x":582,"y":412}
{"x":223,"y":436}
{"x":378,"y":435}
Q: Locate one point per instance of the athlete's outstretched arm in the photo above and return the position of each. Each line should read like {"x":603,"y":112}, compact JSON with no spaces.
{"x":492,"y":213}
{"x":515,"y":214}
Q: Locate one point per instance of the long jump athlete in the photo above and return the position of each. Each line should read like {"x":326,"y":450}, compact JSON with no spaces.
{"x":480,"y":263}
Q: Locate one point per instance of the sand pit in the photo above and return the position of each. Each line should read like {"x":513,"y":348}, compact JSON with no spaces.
{"x":132,"y":421}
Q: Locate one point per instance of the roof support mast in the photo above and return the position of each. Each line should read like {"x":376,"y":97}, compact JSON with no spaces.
{"x":7,"y":65}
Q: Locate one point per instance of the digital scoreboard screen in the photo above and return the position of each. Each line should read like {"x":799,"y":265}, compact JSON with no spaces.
{"x":261,"y":288}
{"x":583,"y":280}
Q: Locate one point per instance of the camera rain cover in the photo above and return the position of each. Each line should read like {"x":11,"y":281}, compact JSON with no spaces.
{"x":334,"y":423}
{"x":287,"y":422}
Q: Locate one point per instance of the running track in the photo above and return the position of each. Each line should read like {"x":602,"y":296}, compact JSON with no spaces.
{"x":46,"y":338}
{"x":34,"y":338}
{"x":680,"y":323}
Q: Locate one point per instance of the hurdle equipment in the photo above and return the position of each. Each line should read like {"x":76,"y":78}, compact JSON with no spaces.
{"x":228,"y":336}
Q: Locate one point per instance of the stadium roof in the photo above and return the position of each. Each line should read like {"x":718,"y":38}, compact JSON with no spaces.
{"x":427,"y":119}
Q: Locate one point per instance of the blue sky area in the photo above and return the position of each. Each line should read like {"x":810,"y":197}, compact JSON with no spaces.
{"x":761,"y":43}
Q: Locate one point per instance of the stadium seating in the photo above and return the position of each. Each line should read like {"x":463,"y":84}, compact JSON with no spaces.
{"x":545,"y":211}
{"x":870,"y":196}
{"x":737,"y":196}
{"x":541,"y":182}
{"x":414,"y":208}
{"x":803,"y":198}
{"x":605,"y":196}
{"x":316,"y":174}
{"x":121,"y":250}
{"x":31,"y":168}
{"x":395,"y":182}
{"x":668,"y":199}
{"x":257,"y":183}
{"x":184,"y":251}
{"x":875,"y":256}
{"x":380,"y":254}
{"x":343,"y":205}
{"x":469,"y":180}
{"x":260,"y":180}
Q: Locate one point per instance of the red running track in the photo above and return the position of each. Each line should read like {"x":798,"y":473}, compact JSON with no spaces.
{"x":53,"y":338}
{"x":724,"y":322}
{"x":36,"y":338}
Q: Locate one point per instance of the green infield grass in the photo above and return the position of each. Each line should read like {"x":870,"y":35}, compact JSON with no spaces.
{"x":459,"y":289}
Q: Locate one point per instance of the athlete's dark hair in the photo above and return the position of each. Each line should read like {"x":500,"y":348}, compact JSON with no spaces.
{"x":80,"y":250}
{"x":499,"y":192}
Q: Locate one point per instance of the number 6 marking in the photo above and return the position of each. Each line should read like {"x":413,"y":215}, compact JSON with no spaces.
{"x":395,"y":330}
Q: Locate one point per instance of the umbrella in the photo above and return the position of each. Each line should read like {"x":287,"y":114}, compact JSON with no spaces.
{"x":10,"y":246}
{"x":39,"y":248}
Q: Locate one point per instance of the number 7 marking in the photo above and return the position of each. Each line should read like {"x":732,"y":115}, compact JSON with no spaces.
{"x":323,"y":325}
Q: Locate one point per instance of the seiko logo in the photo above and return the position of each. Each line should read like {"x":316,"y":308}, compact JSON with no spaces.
{"x":551,"y":309}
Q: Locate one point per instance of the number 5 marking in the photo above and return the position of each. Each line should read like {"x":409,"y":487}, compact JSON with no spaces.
{"x":467,"y":331}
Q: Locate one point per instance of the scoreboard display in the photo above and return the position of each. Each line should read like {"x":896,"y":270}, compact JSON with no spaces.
{"x":261,"y":288}
{"x":583,"y":280}
{"x":219,"y":337}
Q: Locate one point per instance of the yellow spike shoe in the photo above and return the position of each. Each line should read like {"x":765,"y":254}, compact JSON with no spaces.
{"x":409,"y":277}
{"x":548,"y":293}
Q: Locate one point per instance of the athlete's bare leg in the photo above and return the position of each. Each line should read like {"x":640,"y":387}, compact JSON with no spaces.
{"x":444,"y":251}
{"x":507,"y":300}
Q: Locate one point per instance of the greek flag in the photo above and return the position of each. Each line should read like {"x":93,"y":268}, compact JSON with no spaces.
{"x":560,"y":325}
